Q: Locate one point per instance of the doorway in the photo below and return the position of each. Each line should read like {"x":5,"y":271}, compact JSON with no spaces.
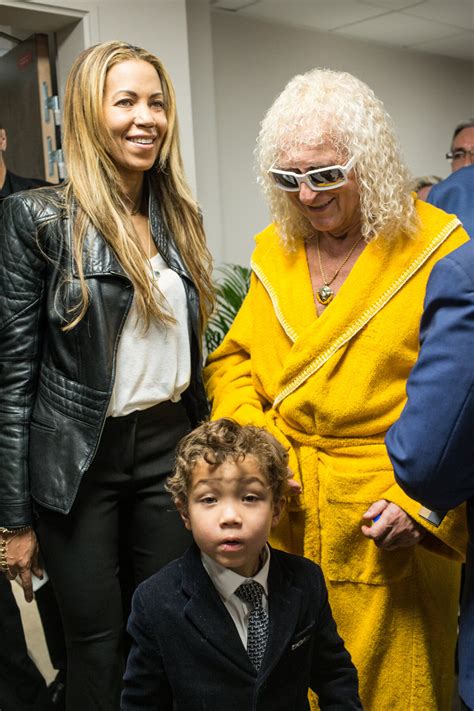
{"x":38,"y":44}
{"x":25,"y":85}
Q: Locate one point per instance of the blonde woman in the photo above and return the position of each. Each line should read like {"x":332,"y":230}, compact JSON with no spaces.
{"x":105,"y":290}
{"x":320,"y":353}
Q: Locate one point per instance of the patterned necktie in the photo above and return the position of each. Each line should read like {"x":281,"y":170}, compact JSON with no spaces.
{"x":257,"y":632}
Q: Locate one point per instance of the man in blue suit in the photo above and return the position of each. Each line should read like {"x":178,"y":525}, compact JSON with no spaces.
{"x":432,"y":444}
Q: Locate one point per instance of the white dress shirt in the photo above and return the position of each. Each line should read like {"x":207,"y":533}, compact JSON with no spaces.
{"x":226,"y":583}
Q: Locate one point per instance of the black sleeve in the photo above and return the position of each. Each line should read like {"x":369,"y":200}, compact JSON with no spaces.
{"x":333,"y":675}
{"x":22,"y":268}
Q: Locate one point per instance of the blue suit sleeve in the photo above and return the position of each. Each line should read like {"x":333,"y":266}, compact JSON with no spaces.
{"x":431,"y":446}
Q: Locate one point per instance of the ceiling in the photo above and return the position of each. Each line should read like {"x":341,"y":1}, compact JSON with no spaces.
{"x":444,"y":27}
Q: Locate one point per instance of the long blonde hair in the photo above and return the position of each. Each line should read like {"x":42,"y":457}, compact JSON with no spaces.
{"x":94,"y":194}
{"x":324,"y":105}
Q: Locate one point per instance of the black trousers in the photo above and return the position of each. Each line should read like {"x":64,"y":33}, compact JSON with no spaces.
{"x":122,"y":528}
{"x":22,"y":687}
{"x":52,"y":626}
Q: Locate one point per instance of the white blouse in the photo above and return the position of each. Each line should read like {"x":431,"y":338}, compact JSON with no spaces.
{"x":154,"y":366}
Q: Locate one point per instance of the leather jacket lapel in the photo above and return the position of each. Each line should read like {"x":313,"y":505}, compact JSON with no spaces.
{"x":97,"y":256}
{"x":168,"y":249}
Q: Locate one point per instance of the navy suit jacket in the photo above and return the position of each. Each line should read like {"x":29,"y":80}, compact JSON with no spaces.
{"x":187,"y":654}
{"x":432,"y":444}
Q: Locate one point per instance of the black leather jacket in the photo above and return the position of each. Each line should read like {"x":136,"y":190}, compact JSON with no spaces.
{"x":55,"y":386}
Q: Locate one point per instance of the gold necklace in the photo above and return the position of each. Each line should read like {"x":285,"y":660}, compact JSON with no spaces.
{"x":324,"y":294}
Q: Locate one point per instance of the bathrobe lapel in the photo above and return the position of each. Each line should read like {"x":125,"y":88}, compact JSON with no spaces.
{"x":381,"y":270}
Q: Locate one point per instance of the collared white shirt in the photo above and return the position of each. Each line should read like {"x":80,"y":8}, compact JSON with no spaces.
{"x":226,"y":583}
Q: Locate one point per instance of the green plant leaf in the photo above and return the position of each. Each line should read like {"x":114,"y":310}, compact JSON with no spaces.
{"x":231,"y":289}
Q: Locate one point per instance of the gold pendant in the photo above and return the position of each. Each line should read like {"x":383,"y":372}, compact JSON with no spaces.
{"x":325,"y":295}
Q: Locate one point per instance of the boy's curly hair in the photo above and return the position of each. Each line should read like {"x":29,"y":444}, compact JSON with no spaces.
{"x":226,"y":440}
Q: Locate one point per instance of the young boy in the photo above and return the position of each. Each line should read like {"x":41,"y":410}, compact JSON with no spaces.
{"x":204,"y":640}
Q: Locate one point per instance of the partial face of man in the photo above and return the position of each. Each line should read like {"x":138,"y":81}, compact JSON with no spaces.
{"x":335,"y":211}
{"x":3,"y":142}
{"x":463,"y":149}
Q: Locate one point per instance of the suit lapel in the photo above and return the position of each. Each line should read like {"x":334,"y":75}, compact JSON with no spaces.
{"x":208,"y":613}
{"x":284,"y":609}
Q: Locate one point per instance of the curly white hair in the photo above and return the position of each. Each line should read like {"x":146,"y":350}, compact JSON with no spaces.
{"x":325,"y":106}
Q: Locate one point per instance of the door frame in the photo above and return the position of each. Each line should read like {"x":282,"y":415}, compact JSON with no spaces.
{"x":74,"y":29}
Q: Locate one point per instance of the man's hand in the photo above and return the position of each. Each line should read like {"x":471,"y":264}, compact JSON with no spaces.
{"x":394,"y":528}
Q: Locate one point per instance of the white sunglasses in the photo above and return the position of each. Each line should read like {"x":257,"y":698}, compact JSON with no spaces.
{"x":317,"y":179}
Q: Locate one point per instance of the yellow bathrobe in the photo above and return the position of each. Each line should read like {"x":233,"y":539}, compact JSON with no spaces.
{"x":329,"y":388}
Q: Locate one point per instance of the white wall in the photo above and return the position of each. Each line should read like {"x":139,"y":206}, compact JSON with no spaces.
{"x":201,"y":65}
{"x":253,"y":60}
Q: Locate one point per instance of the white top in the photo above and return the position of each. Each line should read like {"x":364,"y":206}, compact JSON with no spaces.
{"x":226,"y":583}
{"x":153,"y":366}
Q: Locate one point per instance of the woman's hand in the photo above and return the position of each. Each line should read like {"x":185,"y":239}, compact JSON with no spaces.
{"x":22,"y":559}
{"x":394,"y":528}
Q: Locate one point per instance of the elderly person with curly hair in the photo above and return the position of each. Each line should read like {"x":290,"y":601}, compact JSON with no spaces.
{"x":320,"y":353}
